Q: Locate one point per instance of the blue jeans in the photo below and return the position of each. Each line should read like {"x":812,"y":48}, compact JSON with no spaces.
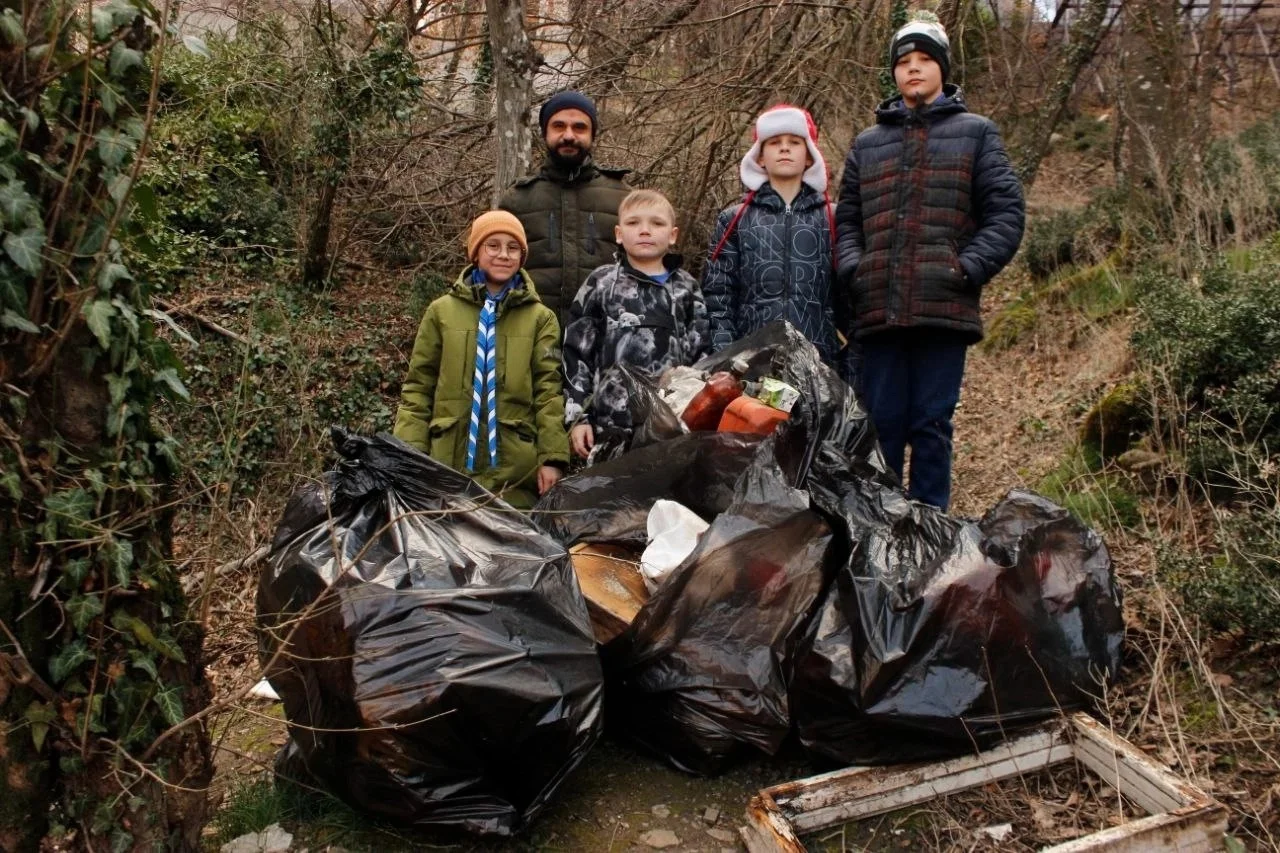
{"x":911,"y":384}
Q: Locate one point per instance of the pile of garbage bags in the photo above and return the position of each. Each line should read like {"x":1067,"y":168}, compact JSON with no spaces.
{"x":816,"y":600}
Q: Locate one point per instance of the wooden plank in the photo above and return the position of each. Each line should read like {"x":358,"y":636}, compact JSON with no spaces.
{"x":856,"y":786}
{"x":1184,"y":819}
{"x":768,"y":831}
{"x":1154,"y":788}
{"x":610,"y":578}
{"x":901,"y":795}
{"x":1196,"y":831}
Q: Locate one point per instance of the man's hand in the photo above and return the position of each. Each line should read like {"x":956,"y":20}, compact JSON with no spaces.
{"x":582,"y":438}
{"x":548,"y":476}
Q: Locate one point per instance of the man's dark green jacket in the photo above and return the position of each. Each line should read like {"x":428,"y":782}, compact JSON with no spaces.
{"x":568,"y":217}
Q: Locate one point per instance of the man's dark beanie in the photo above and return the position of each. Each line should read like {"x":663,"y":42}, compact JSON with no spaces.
{"x":927,"y":37}
{"x":567,"y":100}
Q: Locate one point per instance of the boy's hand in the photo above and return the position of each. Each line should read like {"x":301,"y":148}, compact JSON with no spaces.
{"x":548,"y":476}
{"x":582,"y":438}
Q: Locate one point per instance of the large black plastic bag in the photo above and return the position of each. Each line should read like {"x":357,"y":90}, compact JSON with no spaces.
{"x":703,"y":669}
{"x":610,"y":502}
{"x":443,"y":671}
{"x":940,"y":635}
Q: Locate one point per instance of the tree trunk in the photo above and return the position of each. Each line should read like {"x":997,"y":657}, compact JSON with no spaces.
{"x":97,"y":654}
{"x":315,"y":259}
{"x":514,"y":61}
{"x":1086,"y":34}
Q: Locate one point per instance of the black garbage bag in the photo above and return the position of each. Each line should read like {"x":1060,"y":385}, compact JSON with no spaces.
{"x":610,"y":502}
{"x":630,"y":413}
{"x":431,"y":646}
{"x":941,"y":636}
{"x":703,"y":669}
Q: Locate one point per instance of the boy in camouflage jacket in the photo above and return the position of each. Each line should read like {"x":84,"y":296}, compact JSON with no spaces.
{"x":643,"y":311}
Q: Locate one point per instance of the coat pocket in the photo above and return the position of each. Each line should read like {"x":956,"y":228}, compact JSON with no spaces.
{"x":443,"y":441}
{"x":517,"y":450}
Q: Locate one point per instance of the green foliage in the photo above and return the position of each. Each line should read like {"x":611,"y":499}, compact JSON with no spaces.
{"x":425,"y":288}
{"x":1098,"y":497}
{"x":1237,"y":588}
{"x":1011,"y":325}
{"x":255,"y":409}
{"x":214,"y":179}
{"x":1071,"y":237}
{"x":1215,"y":342}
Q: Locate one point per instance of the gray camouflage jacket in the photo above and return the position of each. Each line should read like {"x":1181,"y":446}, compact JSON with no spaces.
{"x":622,"y":316}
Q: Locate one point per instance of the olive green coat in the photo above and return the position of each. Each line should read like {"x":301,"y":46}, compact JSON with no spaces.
{"x":435,"y":400}
{"x":568,"y":218}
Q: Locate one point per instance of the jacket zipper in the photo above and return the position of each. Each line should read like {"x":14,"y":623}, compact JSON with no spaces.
{"x":552,"y":235}
{"x":786,"y":262}
{"x":589,"y":243}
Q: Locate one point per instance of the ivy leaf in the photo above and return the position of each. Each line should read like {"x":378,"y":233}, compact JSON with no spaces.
{"x":169,"y":701}
{"x":118,"y":554}
{"x":196,"y":45}
{"x":77,"y":570}
{"x":67,"y":659}
{"x":113,"y":146}
{"x":98,"y":314}
{"x":23,"y":247}
{"x":121,"y":840}
{"x":102,"y":24}
{"x":83,"y":609}
{"x":168,"y":377}
{"x":33,"y":119}
{"x":11,"y":319}
{"x":13,"y":485}
{"x":122,"y":58}
{"x":13,"y":293}
{"x":144,"y":662}
{"x":72,"y":509}
{"x":111,"y":273}
{"x":12,"y":32}
{"x":39,"y":715}
{"x":16,"y":204}
{"x":109,"y":99}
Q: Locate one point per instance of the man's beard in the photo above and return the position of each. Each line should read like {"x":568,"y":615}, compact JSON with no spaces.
{"x":568,"y":161}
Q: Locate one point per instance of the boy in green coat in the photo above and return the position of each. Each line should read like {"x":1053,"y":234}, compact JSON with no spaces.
{"x":483,"y":392}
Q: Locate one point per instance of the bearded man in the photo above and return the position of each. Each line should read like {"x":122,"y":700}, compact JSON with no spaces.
{"x":569,"y":207}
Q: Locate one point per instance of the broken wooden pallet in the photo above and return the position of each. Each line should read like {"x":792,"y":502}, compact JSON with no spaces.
{"x":1182,"y":817}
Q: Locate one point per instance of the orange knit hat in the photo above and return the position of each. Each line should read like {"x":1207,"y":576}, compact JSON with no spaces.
{"x":495,"y":222}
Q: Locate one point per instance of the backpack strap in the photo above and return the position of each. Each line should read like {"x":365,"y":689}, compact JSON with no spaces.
{"x":733,"y":223}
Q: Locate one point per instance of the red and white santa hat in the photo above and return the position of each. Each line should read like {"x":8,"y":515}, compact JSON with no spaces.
{"x":784,"y":118}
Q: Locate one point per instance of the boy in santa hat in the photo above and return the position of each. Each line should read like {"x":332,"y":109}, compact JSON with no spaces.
{"x":770,"y":253}
{"x":930,"y":209}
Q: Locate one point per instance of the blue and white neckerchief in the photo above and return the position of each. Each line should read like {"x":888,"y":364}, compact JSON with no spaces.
{"x":484,"y":386}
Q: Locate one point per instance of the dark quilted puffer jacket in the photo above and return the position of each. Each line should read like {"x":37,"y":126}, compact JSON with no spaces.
{"x":775,"y":265}
{"x":930,"y":210}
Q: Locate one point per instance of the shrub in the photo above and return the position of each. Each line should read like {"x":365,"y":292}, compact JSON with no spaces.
{"x":210,"y":181}
{"x":1099,"y":498}
{"x":1237,"y":588}
{"x":1216,"y":347}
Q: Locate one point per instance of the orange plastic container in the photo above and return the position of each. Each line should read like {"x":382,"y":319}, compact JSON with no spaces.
{"x":747,"y":414}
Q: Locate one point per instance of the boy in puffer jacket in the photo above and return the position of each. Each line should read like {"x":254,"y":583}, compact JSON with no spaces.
{"x":770,"y":253}
{"x":643,"y":311}
{"x":930,"y":210}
